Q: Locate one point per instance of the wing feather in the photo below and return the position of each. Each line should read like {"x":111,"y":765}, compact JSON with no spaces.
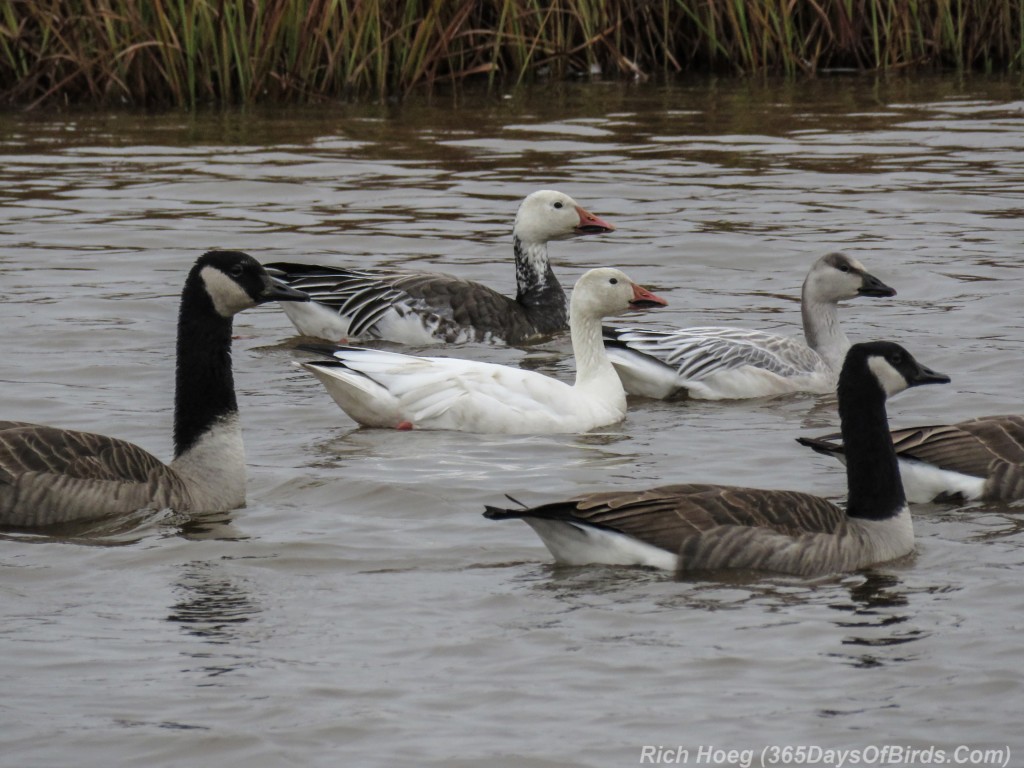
{"x":50,"y":475}
{"x":969,"y":447}
{"x":697,"y":353}
{"x":450,"y":308}
{"x":83,"y":455}
{"x":672,"y":517}
{"x":453,"y":393}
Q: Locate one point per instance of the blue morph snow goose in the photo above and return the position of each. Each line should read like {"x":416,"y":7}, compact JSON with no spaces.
{"x":715,"y":363}
{"x":698,"y":527}
{"x":420,"y":308}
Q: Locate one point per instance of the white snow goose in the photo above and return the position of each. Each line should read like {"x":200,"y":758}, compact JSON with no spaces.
{"x":713,"y":363}
{"x":420,"y":308}
{"x":50,"y":476}
{"x":385,"y":389}
{"x":980,"y":459}
{"x":709,"y":527}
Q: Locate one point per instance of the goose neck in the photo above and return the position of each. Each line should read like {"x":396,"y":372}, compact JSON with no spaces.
{"x":537,"y":288}
{"x":204,"y":386}
{"x":872,"y":470}
{"x":821,"y":330}
{"x":592,"y":363}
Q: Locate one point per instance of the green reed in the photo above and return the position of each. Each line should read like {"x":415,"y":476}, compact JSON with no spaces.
{"x":189,"y":52}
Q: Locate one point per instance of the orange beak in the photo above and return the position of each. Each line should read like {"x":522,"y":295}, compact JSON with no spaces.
{"x":591,"y":224}
{"x":644,"y":299}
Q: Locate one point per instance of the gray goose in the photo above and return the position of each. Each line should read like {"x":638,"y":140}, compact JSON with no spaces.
{"x":420,"y":308}
{"x":698,"y":527}
{"x":50,"y":476}
{"x":713,"y":363}
{"x":979,"y":459}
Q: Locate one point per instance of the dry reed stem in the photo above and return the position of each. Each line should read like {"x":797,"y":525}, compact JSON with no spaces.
{"x":190,"y":52}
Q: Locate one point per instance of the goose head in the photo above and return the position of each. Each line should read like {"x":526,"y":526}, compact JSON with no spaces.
{"x":836,"y":276}
{"x":235,"y":281}
{"x":892,"y":367}
{"x":605,"y":291}
{"x":550,"y":215}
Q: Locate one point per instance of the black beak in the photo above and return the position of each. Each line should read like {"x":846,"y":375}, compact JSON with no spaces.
{"x":276,"y":290}
{"x":924,"y":375}
{"x":872,"y":286}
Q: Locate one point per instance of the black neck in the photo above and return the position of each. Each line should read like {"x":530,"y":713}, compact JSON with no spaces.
{"x":872,"y":472}
{"x":539,"y":293}
{"x":204,"y":386}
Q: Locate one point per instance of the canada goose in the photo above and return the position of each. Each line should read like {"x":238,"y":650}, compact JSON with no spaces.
{"x":980,"y":459}
{"x":726,"y":363}
{"x":431,"y":308}
{"x":708,"y":527}
{"x":385,"y":389}
{"x":50,"y":475}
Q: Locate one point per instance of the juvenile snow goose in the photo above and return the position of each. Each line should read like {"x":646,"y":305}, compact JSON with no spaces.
{"x":50,"y":476}
{"x":385,"y":389}
{"x":431,"y":308}
{"x":980,"y":459}
{"x":714,"y":363}
{"x":709,"y":527}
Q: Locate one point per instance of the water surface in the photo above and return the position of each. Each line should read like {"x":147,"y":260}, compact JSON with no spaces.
{"x":359,"y":610}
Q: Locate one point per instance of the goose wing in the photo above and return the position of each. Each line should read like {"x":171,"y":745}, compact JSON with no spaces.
{"x":452,"y":393}
{"x":32,"y":448}
{"x":450,"y":308}
{"x":674,"y":516}
{"x":969,"y":447}
{"x":50,"y":475}
{"x":696,"y":353}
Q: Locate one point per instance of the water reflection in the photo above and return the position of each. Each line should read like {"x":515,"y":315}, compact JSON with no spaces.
{"x":874,"y":623}
{"x":211,"y":604}
{"x":204,"y":527}
{"x":119,"y":531}
{"x":994,"y":521}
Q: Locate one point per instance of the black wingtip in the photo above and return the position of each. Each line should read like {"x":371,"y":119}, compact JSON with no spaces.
{"x":819,"y":446}
{"x":497,"y":513}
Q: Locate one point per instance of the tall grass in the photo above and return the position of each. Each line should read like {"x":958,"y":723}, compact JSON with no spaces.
{"x":187,"y":52}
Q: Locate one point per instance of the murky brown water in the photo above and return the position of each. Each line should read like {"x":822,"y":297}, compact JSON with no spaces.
{"x":360,"y":611}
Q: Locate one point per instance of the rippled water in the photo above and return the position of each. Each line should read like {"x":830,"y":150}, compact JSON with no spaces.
{"x":359,"y":610}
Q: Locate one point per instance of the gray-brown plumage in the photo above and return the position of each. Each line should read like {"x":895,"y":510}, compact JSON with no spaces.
{"x":698,"y":527}
{"x":982,"y":458}
{"x":713,"y":526}
{"x":428,"y":307}
{"x":50,"y":476}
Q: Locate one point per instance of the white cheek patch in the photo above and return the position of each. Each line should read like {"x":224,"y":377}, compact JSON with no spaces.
{"x":892,"y":381}
{"x":229,"y":298}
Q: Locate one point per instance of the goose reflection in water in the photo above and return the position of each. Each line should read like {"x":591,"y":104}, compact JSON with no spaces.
{"x":212,"y":605}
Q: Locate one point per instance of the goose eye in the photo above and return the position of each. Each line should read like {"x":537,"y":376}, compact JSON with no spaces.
{"x":844,"y":268}
{"x":614,"y":281}
{"x":236,"y":270}
{"x":896,"y":358}
{"x":558,"y":205}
